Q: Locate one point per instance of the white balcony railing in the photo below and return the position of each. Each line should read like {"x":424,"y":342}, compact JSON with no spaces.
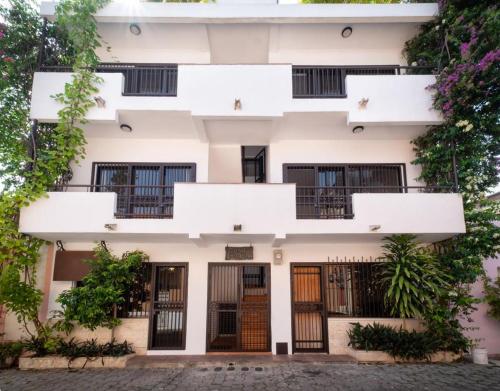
{"x":264,"y":91}
{"x":266,"y":210}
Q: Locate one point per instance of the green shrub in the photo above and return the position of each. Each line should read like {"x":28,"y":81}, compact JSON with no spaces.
{"x":492,"y":297}
{"x":404,"y":344}
{"x":413,"y":279}
{"x":90,"y":349}
{"x":95,"y":303}
{"x":10,"y":350}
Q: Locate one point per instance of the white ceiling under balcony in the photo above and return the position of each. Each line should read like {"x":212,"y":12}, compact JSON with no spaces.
{"x":291,"y":126}
{"x":253,"y":43}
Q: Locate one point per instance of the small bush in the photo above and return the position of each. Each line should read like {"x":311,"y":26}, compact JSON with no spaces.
{"x":10,"y":350}
{"x":403,"y":343}
{"x":90,"y":349}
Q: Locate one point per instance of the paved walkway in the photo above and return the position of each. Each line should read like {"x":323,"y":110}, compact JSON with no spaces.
{"x":287,"y":376}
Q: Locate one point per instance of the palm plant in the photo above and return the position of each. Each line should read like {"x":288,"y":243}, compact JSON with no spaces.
{"x":411,"y":276}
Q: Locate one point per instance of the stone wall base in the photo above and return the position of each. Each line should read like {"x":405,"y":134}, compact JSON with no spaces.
{"x":372,"y":356}
{"x":58,"y":362}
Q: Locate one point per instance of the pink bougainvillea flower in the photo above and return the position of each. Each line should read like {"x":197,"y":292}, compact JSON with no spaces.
{"x":8,"y":59}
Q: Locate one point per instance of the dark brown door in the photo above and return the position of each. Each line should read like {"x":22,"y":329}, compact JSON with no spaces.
{"x":309,"y":320}
{"x":238,"y":318}
{"x":167,"y":325}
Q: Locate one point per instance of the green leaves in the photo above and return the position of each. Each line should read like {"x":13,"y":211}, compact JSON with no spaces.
{"x":413,"y":279}
{"x":35,"y":157}
{"x":93,"y":304}
{"x":492,"y":297}
{"x":404,"y":344}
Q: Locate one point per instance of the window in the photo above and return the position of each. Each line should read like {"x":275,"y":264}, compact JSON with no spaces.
{"x":137,"y":300}
{"x":254,"y":277}
{"x":324,"y":191}
{"x":144,"y":190}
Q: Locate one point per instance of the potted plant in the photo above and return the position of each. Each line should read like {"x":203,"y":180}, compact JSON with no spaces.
{"x":479,"y":354}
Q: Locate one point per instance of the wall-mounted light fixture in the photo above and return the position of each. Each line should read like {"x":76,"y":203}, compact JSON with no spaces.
{"x":237,"y":104}
{"x":110,"y":226}
{"x":126,"y":128}
{"x":374,"y":228}
{"x":237,"y":227}
{"x":363,"y":103}
{"x":358,"y":129}
{"x":135,"y":29}
{"x":101,"y":103}
{"x":346,"y":32}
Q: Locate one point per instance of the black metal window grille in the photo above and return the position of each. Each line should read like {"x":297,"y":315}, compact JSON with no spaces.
{"x":353,"y":289}
{"x":144,"y":190}
{"x":140,"y":79}
{"x":325,"y":191}
{"x":137,"y":300}
{"x":329,"y":81}
{"x":238,"y":316}
{"x":168,"y":315}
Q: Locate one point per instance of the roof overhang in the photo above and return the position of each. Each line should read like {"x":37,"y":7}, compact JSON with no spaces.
{"x":128,"y":11}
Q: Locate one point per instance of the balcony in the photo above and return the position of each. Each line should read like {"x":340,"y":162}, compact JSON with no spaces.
{"x":267,"y":212}
{"x":395,"y":95}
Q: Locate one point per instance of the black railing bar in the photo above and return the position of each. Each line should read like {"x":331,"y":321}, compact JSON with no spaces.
{"x":367,"y":67}
{"x":124,"y":186}
{"x":374,"y":187}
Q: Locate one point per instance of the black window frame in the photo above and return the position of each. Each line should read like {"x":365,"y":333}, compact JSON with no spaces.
{"x":127,"y":205}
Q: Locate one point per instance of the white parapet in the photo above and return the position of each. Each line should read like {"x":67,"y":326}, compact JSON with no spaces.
{"x":263,"y":91}
{"x":262,"y":210}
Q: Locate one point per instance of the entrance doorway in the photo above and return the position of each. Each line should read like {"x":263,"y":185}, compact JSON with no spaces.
{"x":309,"y":318}
{"x":167,"y":324}
{"x":253,"y":162}
{"x":238,"y":316}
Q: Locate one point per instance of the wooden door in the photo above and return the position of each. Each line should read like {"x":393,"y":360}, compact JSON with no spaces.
{"x":309,"y":320}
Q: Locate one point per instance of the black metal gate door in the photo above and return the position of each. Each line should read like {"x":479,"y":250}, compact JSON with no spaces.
{"x":167,"y":324}
{"x":238,"y":316}
{"x":309,"y":320}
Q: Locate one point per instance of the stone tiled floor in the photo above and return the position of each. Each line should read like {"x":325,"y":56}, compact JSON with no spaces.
{"x":288,"y":376}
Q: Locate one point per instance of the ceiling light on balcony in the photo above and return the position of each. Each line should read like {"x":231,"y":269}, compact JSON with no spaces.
{"x":135,"y":29}
{"x":358,"y":129}
{"x":126,"y":128}
{"x":346,"y":32}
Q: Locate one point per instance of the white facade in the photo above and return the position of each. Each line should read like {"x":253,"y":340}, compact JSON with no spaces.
{"x":236,"y":69}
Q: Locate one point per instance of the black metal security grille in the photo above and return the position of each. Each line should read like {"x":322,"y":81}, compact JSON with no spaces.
{"x":168,"y":315}
{"x":137,"y":300}
{"x":329,"y":81}
{"x":308,"y":309}
{"x":325,"y":191}
{"x":238,"y":308}
{"x":343,"y":288}
{"x":353,"y":289}
{"x":140,"y":79}
{"x":145,"y":190}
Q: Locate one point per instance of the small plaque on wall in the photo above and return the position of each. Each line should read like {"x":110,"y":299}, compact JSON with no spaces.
{"x":239,"y":253}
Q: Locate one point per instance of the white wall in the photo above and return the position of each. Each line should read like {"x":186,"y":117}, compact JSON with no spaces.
{"x":265,"y":211}
{"x":141,"y":150}
{"x":265,"y":92}
{"x":342,"y":151}
{"x":224,"y":164}
{"x":322,"y":44}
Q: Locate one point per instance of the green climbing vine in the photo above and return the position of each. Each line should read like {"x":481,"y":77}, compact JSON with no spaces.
{"x":461,"y":44}
{"x":37,"y":156}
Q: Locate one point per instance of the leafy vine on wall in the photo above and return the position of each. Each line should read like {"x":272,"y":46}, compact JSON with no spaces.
{"x":462,"y":44}
{"x":37,"y":156}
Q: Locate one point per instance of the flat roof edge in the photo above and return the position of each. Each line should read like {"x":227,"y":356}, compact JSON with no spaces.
{"x":119,"y":12}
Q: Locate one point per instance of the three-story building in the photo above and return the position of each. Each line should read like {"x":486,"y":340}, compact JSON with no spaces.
{"x":259,"y":153}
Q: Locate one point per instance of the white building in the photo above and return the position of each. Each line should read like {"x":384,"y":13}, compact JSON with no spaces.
{"x":284,"y":129}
